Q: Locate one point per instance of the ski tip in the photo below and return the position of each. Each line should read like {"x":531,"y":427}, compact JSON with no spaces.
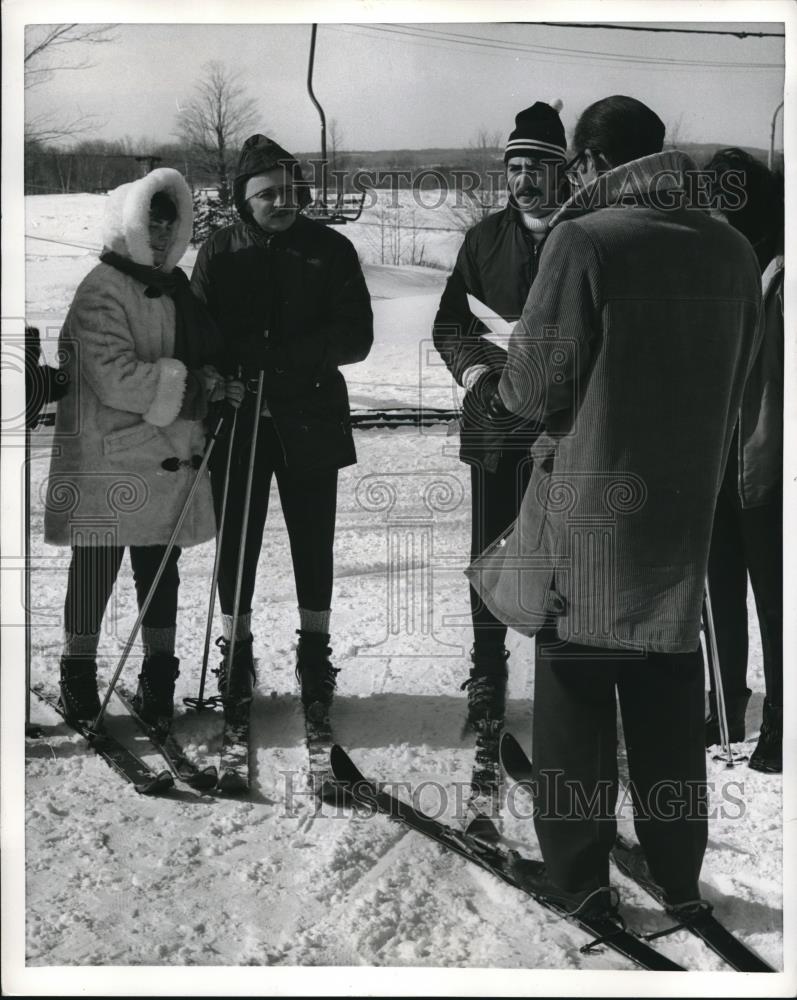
{"x":343,"y":767}
{"x":508,"y":744}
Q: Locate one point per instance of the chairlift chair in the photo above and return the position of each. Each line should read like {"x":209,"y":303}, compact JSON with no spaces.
{"x":320,"y":209}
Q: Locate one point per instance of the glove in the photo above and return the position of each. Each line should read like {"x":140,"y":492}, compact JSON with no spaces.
{"x":485,"y":392}
{"x":234,"y":392}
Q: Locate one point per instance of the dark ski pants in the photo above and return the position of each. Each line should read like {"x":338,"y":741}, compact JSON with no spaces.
{"x":92,"y":574}
{"x":575,"y":761}
{"x":495,"y":502}
{"x":747,"y":541}
{"x":309,"y":504}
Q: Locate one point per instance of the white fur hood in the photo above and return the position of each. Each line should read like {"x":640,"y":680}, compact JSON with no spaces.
{"x":126,"y":224}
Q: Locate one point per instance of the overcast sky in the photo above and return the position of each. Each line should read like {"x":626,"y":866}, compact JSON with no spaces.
{"x":413,"y":86}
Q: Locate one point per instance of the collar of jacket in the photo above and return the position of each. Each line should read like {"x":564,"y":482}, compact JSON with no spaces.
{"x":646,"y":181}
{"x":260,"y":237}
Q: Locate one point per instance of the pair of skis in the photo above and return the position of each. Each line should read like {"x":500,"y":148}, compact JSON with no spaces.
{"x":232,"y":774}
{"x":486,"y":852}
{"x":630,"y":860}
{"x":232,"y":777}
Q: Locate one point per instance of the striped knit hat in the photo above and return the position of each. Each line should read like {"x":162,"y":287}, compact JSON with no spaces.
{"x":538,"y":132}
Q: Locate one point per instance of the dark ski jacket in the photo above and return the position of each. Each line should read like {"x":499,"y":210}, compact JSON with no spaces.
{"x":497,"y":264}
{"x":296,"y":305}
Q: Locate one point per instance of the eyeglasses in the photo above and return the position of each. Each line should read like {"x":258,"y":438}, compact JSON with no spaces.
{"x":270,"y":194}
{"x":572,"y":166}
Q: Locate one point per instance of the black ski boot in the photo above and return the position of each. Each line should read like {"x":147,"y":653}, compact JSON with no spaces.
{"x":80,"y":699}
{"x":768,"y":754}
{"x":486,"y":684}
{"x":154,"y":699}
{"x":315,"y":674}
{"x":735,"y":709}
{"x":242,"y":675}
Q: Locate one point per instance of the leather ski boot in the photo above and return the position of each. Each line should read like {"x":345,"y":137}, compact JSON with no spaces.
{"x":768,"y":754}
{"x":80,"y":699}
{"x":315,"y":673}
{"x":242,"y":674}
{"x":154,"y":699}
{"x":486,"y":685}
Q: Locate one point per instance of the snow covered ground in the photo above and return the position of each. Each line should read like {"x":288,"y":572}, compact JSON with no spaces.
{"x":114,"y":879}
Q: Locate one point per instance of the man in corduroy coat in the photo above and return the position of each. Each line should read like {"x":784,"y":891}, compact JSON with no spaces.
{"x":632,"y":350}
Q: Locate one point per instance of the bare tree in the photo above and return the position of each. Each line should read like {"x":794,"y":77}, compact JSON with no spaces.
{"x":486,"y":149}
{"x":213,"y":123}
{"x":673,"y":133}
{"x":480,"y":200}
{"x":45,"y":45}
{"x":50,"y":49}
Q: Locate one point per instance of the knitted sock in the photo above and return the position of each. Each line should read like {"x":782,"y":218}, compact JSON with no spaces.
{"x":158,"y":640}
{"x":314,"y":621}
{"x":81,"y":645}
{"x":243,"y":626}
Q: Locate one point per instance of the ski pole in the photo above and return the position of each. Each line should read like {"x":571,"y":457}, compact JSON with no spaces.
{"x":199,"y":702}
{"x":33,"y":405}
{"x":713,"y":656}
{"x":30,"y":730}
{"x":244,"y":527}
{"x":94,"y":727}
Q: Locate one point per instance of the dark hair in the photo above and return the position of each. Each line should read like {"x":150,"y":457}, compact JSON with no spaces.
{"x":621,"y":128}
{"x":758,"y":215}
{"x":162,"y":207}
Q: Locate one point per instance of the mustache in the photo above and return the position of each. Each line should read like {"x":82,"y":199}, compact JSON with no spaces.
{"x":528,"y":189}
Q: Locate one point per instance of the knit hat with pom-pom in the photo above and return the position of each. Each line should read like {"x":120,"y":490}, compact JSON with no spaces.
{"x":538,"y":132}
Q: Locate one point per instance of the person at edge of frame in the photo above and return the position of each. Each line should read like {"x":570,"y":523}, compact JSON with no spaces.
{"x":748,"y":521}
{"x":632,"y":351}
{"x":290,"y":297}
{"x":497,"y":264}
{"x":129,"y":436}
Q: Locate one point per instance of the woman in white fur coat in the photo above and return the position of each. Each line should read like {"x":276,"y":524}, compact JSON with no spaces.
{"x":138,"y":349}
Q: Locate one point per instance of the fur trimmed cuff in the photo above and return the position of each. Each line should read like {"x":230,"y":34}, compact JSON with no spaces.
{"x":165,"y":407}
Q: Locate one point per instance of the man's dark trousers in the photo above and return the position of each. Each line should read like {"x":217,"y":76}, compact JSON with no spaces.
{"x":575,"y":761}
{"x":495,"y":502}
